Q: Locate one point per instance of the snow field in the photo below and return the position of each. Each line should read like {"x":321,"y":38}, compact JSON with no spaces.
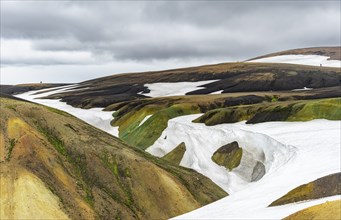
{"x":174,"y":89}
{"x":311,"y":60}
{"x":94,"y":116}
{"x":317,"y":154}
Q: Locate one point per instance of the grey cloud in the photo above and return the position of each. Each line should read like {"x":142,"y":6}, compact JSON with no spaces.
{"x":162,"y":30}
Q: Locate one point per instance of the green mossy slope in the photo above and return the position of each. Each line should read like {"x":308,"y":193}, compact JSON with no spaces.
{"x":176,"y":155}
{"x":228,"y":155}
{"x":323,"y":187}
{"x":129,"y":115}
{"x":276,"y":111}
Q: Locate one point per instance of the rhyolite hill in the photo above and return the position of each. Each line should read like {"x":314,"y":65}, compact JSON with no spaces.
{"x":255,"y":92}
{"x":56,"y":166}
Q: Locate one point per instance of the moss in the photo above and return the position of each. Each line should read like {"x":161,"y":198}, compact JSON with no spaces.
{"x":12,"y":107}
{"x":127,"y":172}
{"x":53,"y":139}
{"x":12,"y":142}
{"x":272,"y":98}
{"x":145,"y":135}
{"x":279,"y":111}
{"x":325,"y":186}
{"x":110,"y":162}
{"x":327,"y":109}
{"x":89,"y":198}
{"x":56,"y":111}
{"x":176,"y":155}
{"x":228,"y":156}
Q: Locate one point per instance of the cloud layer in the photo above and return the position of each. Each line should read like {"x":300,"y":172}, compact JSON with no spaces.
{"x":93,"y":32}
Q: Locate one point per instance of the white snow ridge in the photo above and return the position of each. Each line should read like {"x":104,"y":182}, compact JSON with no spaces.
{"x":311,"y":60}
{"x":174,"y":88}
{"x":94,"y":116}
{"x":261,"y":153}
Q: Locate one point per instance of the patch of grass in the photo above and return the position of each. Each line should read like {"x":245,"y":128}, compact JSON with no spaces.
{"x":89,"y":198}
{"x":323,"y":187}
{"x":120,"y":174}
{"x":273,"y":98}
{"x":12,"y":142}
{"x":146,"y":134}
{"x":56,"y":111}
{"x":53,"y":138}
{"x":12,"y":107}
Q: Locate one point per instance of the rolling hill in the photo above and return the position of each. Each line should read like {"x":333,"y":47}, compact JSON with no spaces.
{"x":54,"y":166}
{"x":283,"y":113}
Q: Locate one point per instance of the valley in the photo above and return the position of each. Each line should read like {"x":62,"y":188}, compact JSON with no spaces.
{"x":205,"y":142}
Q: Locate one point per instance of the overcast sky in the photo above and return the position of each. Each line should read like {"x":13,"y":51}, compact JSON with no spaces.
{"x":60,"y":41}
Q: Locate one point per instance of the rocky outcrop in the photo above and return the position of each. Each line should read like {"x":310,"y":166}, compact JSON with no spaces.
{"x":228,"y":155}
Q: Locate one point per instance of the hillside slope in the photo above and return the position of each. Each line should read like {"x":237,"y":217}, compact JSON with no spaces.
{"x":333,"y":52}
{"x":56,"y":166}
{"x":224,"y":78}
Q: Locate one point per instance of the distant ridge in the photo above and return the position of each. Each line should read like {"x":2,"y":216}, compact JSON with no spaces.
{"x":333,"y":52}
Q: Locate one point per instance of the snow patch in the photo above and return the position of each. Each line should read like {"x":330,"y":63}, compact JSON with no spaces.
{"x":311,"y":60}
{"x":174,"y":89}
{"x":145,"y":119}
{"x":304,"y":89}
{"x":94,"y":116}
{"x":202,"y":141}
{"x":318,"y":154}
{"x":217,"y":92}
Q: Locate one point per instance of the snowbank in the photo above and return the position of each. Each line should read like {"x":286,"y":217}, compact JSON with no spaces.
{"x":318,"y":154}
{"x":145,"y":119}
{"x":312,"y":60}
{"x":202,"y":141}
{"x":94,"y":116}
{"x":174,"y":89}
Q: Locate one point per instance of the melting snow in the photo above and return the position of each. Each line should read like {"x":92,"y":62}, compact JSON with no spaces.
{"x":217,"y":92}
{"x":145,"y":119}
{"x":94,"y":116}
{"x":312,"y":60}
{"x":202,"y":141}
{"x":304,"y":88}
{"x":293,"y":154}
{"x":174,"y":89}
{"x":316,"y":153}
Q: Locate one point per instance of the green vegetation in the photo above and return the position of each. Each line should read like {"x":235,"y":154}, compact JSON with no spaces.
{"x":176,"y":155}
{"x":12,"y":143}
{"x":323,"y":187}
{"x":279,"y":111}
{"x":228,"y":156}
{"x":128,"y":115}
{"x":145,"y":135}
{"x":56,"y":111}
{"x":12,"y":107}
{"x":53,"y":138}
{"x":273,"y":98}
{"x":120,"y":174}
